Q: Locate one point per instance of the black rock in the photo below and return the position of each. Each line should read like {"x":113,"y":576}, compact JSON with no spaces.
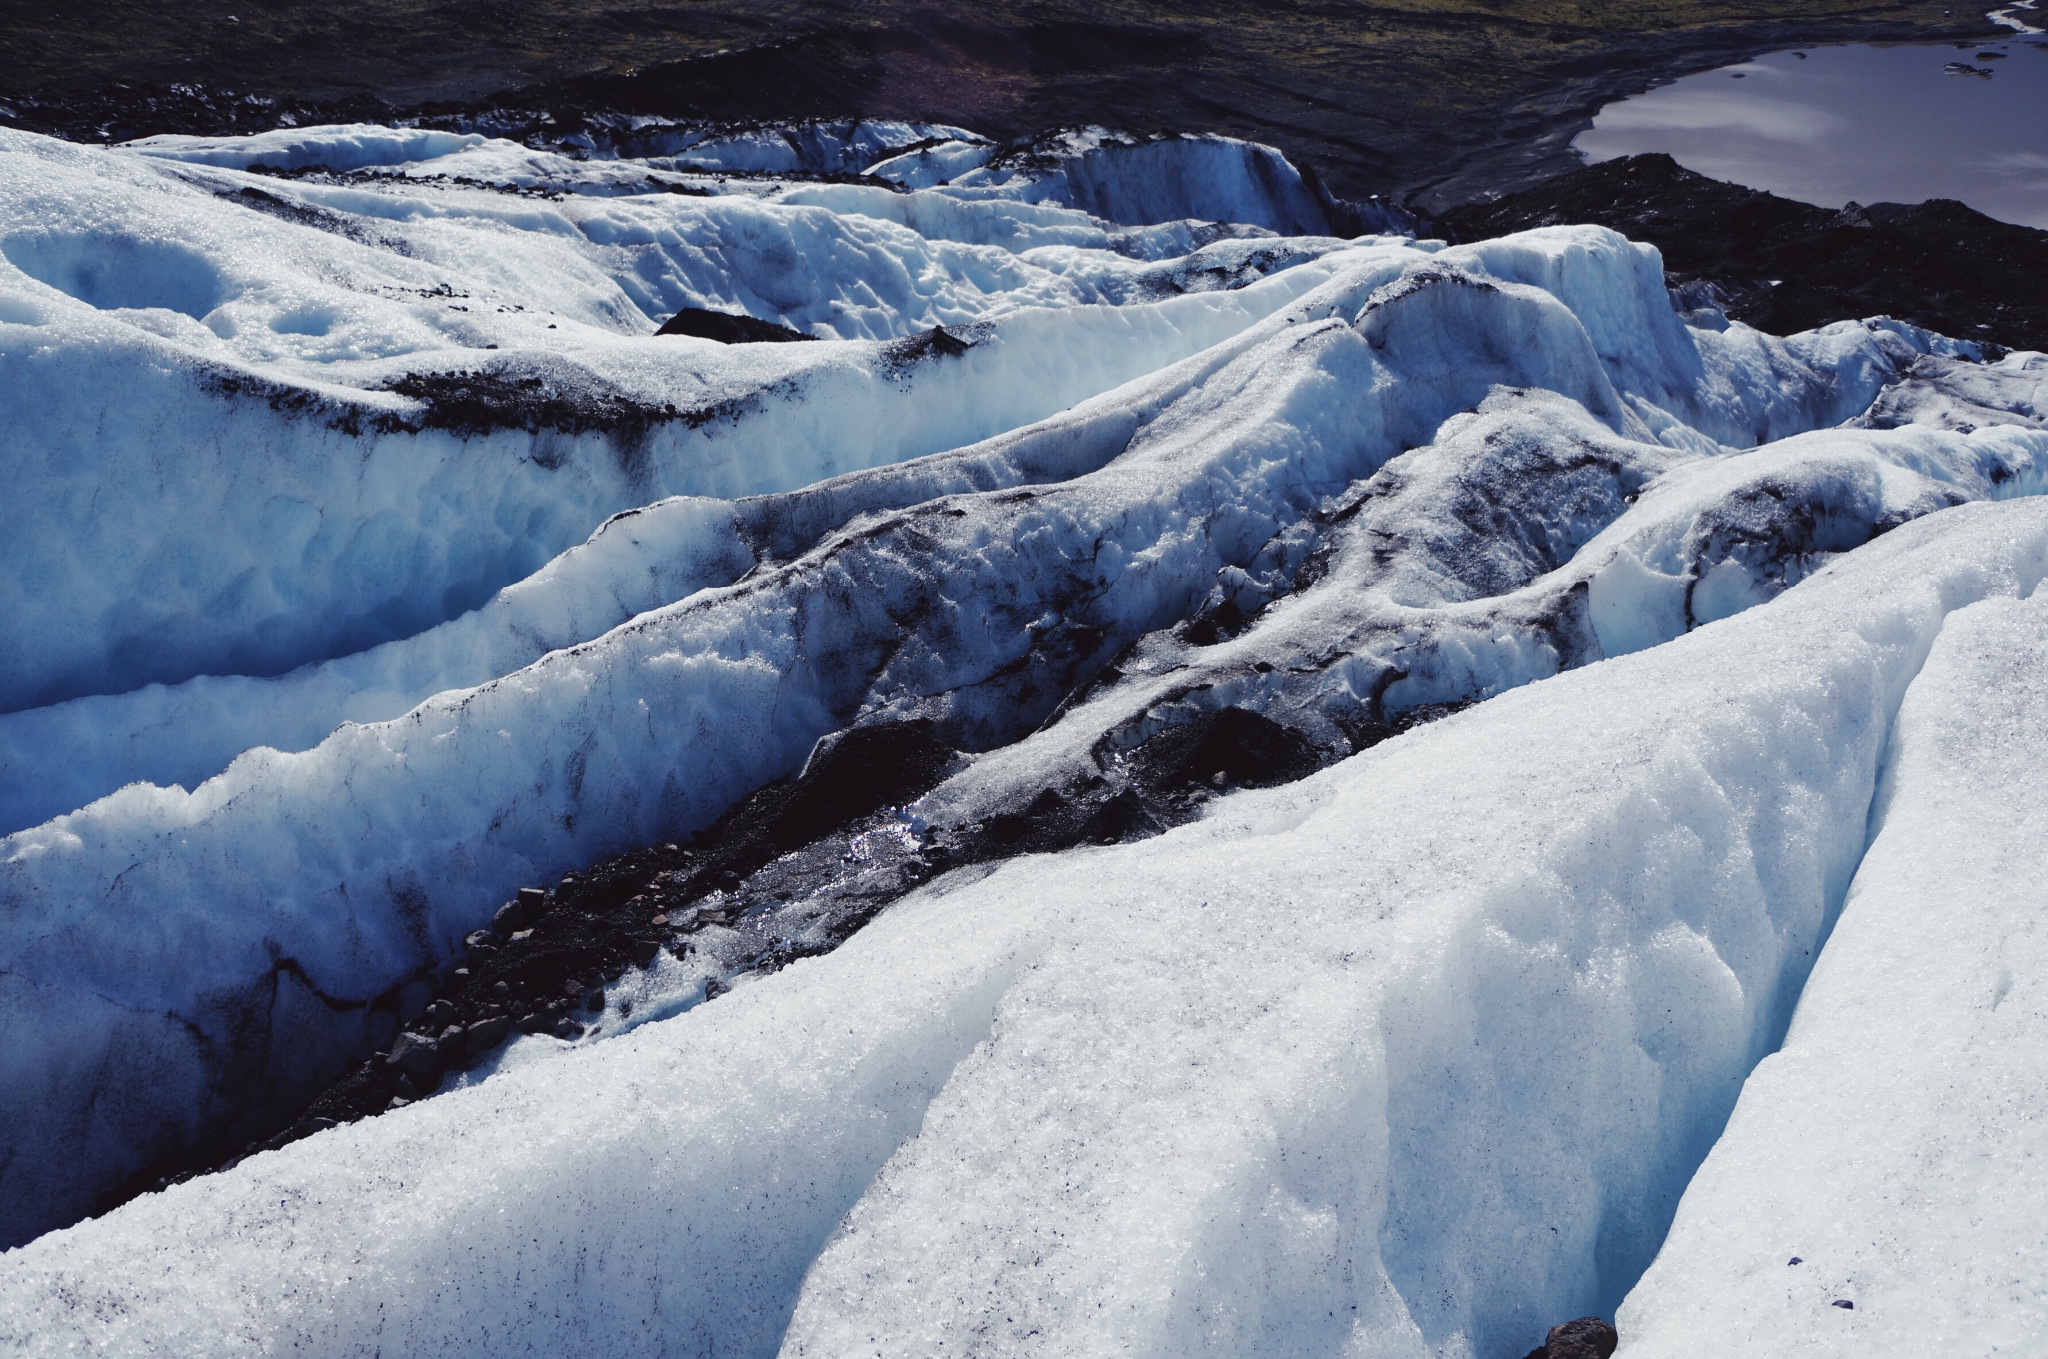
{"x":853,"y":773}
{"x":414,"y":1055}
{"x":1242,"y":747}
{"x":479,"y":941}
{"x":936,"y":343}
{"x":521,"y":911}
{"x":1586,"y":1338}
{"x":728,"y":328}
{"x":1844,"y":1304}
{"x":485,"y":1034}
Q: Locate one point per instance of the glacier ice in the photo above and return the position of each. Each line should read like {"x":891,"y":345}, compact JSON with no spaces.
{"x":1241,"y":1085}
{"x":380,"y":560}
{"x":391,"y":430}
{"x":302,"y":888}
{"x":1893,"y":1147}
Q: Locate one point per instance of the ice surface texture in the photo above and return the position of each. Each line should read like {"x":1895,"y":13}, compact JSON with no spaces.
{"x":1894,"y":1147}
{"x":312,"y":418}
{"x":1415,"y":1056}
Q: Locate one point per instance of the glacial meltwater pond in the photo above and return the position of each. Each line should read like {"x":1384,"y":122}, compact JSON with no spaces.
{"x":1831,"y":125}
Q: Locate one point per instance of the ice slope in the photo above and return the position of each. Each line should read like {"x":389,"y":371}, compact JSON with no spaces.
{"x":1410,"y":1058}
{"x":239,"y":933}
{"x":817,"y":148}
{"x":313,"y":418}
{"x":1890,"y":1156}
{"x":1162,"y":179}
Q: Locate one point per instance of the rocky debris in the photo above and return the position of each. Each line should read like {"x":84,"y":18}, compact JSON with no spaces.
{"x":544,"y":395}
{"x":1586,"y":1338}
{"x":790,"y":872}
{"x":831,"y":833}
{"x":1160,"y":783}
{"x":936,"y":343}
{"x":1784,"y":267}
{"x":728,"y":328}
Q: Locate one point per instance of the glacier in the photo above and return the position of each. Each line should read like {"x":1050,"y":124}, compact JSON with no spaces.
{"x":379,"y":560}
{"x":1239,"y":1086}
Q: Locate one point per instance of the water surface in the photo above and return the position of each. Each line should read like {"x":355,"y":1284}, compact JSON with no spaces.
{"x":1831,"y":125}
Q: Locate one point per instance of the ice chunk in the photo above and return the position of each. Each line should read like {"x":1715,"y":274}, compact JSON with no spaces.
{"x":1136,"y":180}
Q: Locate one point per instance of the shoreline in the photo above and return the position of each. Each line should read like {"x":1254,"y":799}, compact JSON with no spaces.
{"x":1431,"y":110}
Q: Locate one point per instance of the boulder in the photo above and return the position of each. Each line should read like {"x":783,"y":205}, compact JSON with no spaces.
{"x":485,"y":1034}
{"x":415,"y":1055}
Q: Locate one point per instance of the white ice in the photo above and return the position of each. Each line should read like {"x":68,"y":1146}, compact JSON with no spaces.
{"x":1410,"y":1058}
{"x":1890,"y":1157}
{"x":1414,"y":1057}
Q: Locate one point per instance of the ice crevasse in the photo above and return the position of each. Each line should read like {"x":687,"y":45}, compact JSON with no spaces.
{"x":1412,"y":1057}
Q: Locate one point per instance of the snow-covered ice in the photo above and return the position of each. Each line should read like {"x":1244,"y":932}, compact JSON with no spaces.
{"x":379,"y":559}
